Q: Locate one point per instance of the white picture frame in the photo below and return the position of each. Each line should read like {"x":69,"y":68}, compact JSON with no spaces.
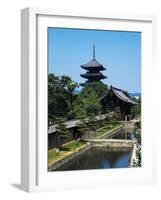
{"x":34,"y":175}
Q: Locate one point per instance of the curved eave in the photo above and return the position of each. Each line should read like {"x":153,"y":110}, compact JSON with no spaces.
{"x":100,"y":68}
{"x":92,"y":63}
{"x":104,"y":77}
{"x":101,"y":76}
{"x":119,"y":93}
{"x":123,"y":97}
{"x":82,"y":84}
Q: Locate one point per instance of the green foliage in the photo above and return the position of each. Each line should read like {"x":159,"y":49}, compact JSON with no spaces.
{"x":138,"y":132}
{"x":69,"y":87}
{"x":62,"y":102}
{"x":61,"y":130}
{"x":136,"y":110}
{"x":82,"y":127}
{"x":60,"y":96}
{"x":92,"y":124}
{"x":72,"y":146}
{"x":99,"y":88}
{"x":92,"y":109}
{"x":86,"y":103}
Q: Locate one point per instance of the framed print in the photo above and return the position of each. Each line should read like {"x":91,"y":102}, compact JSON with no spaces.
{"x":86,"y":107}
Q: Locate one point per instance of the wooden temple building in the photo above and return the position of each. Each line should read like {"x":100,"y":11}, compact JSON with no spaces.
{"x":116,"y":100}
{"x":93,"y":68}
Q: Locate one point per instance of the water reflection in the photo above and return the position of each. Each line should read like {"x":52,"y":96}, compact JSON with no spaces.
{"x":98,"y":158}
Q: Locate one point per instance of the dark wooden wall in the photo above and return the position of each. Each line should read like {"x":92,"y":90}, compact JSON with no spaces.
{"x":113,"y":103}
{"x":54,"y":140}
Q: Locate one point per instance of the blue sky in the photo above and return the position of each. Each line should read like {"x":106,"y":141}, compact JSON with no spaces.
{"x":119,"y":52}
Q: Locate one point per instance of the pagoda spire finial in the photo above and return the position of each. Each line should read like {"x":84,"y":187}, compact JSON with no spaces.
{"x":93,"y":51}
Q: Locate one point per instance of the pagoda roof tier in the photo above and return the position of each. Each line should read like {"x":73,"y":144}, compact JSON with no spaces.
{"x":88,"y":83}
{"x":92,"y":75}
{"x":93,"y":64}
{"x":83,"y":84}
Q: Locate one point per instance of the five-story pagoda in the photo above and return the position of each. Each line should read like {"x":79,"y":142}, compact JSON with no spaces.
{"x":93,"y":68}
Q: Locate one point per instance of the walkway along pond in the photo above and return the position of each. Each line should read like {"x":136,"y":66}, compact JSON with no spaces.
{"x":113,"y":151}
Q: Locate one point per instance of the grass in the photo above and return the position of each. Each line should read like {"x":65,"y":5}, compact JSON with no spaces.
{"x":52,"y":155}
{"x":102,"y":131}
{"x":70,"y":146}
{"x":66,"y":149}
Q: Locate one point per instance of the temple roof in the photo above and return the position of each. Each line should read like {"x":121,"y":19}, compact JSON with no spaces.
{"x":89,"y":75}
{"x":93,"y":64}
{"x":120,"y":94}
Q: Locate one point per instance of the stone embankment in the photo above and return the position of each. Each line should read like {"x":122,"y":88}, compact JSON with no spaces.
{"x":111,"y":143}
{"x":56,"y":164}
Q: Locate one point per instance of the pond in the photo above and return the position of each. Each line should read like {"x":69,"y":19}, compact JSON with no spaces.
{"x":102,"y":157}
{"x":98,"y":158}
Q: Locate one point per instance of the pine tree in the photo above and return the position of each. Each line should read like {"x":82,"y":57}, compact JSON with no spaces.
{"x":82,"y":127}
{"x":92,"y":124}
{"x":61,"y":130}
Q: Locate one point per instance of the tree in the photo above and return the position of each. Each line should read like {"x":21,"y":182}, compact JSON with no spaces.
{"x":86,"y":103}
{"x":136,"y":110}
{"x":92,"y":124}
{"x":57,"y":105}
{"x":60,"y":96}
{"x":61,"y":130}
{"x":99,"y":88}
{"x":69,"y":87}
{"x":82,"y":127}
